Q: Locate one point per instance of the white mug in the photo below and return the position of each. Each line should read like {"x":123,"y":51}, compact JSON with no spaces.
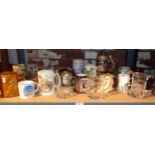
{"x":123,"y":82}
{"x":48,"y":82}
{"x":78,"y":66}
{"x":27,"y":89}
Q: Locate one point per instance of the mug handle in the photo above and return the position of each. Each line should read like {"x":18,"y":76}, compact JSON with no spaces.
{"x":37,"y":87}
{"x":149,"y":86}
{"x":73,"y":81}
{"x":130,"y":82}
{"x":58,"y":78}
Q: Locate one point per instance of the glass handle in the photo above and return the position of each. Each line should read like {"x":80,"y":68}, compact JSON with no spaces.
{"x":73,"y":81}
{"x":149,"y":83}
{"x":130,"y":82}
{"x":57,"y":76}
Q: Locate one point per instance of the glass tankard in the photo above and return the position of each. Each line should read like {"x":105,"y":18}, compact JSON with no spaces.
{"x":141,"y":85}
{"x":64,"y":92}
{"x":95,"y":89}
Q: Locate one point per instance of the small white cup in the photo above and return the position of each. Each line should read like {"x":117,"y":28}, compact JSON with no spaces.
{"x":27,"y":89}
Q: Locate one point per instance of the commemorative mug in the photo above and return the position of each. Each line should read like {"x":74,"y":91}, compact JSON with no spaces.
{"x":81,"y":83}
{"x":141,"y":85}
{"x":90,"y":70}
{"x":78,"y":66}
{"x":68,"y":77}
{"x":49,"y":81}
{"x":123,"y":82}
{"x":27,"y":89}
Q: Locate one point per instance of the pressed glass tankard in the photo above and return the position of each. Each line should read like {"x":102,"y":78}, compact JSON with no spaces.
{"x":141,"y":85}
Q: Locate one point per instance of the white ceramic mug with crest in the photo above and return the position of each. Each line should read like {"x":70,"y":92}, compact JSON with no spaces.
{"x":123,"y":82}
{"x":27,"y":89}
{"x":48,"y":82}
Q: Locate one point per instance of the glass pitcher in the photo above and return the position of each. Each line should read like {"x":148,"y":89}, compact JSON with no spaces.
{"x":141,"y":85}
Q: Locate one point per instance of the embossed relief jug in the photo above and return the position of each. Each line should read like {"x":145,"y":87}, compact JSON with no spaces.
{"x":141,"y":85}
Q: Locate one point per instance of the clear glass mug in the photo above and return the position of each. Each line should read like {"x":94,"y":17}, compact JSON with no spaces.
{"x":64,"y":92}
{"x":141,"y":85}
{"x":94,"y":89}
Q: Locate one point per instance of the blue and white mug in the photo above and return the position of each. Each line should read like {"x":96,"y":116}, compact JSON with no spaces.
{"x":78,"y":66}
{"x":27,"y":89}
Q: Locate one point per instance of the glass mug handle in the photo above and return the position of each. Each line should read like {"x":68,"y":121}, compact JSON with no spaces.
{"x":58,"y":80}
{"x":36,"y":86}
{"x":130,"y":82}
{"x":149,"y":83}
{"x":73,"y":81}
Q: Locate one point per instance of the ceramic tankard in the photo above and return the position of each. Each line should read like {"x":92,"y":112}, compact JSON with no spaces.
{"x":48,"y":82}
{"x":123,"y":82}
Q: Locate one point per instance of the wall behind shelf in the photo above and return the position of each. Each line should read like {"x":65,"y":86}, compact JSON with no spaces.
{"x":42,"y":59}
{"x":58,"y":58}
{"x":62,"y":58}
{"x":146,"y":59}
